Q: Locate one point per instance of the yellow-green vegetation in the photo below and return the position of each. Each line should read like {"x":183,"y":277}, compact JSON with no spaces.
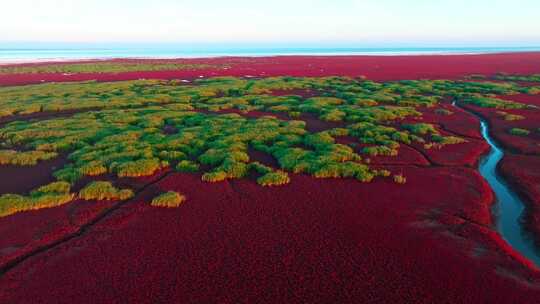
{"x":400,"y":179}
{"x":102,"y":190}
{"x":54,"y":187}
{"x":187,"y":166}
{"x":138,"y":168}
{"x":25,"y":158}
{"x":120,"y":129}
{"x":509,"y":117}
{"x":510,"y":77}
{"x":169,"y":199}
{"x":48,"y":196}
{"x":492,"y":102}
{"x":421,"y":128}
{"x":276,"y":178}
{"x":519,"y":132}
{"x":102,"y":67}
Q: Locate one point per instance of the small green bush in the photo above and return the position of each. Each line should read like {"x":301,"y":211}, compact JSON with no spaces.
{"x":55,"y":187}
{"x":421,"y":128}
{"x":490,"y":102}
{"x":276,"y":178}
{"x":214,"y":177}
{"x":333,"y":115}
{"x":169,"y":199}
{"x":93,"y":168}
{"x":447,"y":140}
{"x":365,"y":102}
{"x":187,"y":166}
{"x":510,"y":117}
{"x":365,"y":176}
{"x":234,"y":169}
{"x":259,"y":168}
{"x":13,"y":203}
{"x":380,"y":151}
{"x":400,"y":179}
{"x":138,"y":168}
{"x":68,"y":174}
{"x":27,"y":158}
{"x":519,"y":132}
{"x":101,"y":190}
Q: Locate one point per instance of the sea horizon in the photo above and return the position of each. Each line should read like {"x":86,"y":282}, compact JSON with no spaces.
{"x":25,"y":54}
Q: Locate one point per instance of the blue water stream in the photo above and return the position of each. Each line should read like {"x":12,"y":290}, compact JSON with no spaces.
{"x":509,"y":207}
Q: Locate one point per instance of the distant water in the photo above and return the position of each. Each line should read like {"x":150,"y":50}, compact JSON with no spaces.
{"x":31,"y":54}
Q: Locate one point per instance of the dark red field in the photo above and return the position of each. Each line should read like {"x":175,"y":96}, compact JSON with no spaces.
{"x":313,"y":241}
{"x":374,"y":67}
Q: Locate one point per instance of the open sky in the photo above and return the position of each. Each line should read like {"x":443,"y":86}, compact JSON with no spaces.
{"x":310,"y":22}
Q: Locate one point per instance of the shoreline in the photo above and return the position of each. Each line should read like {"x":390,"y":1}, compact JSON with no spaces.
{"x":248,"y":55}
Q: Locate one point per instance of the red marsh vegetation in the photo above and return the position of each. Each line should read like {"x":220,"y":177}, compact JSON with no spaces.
{"x":374,"y":67}
{"x":357,"y":191}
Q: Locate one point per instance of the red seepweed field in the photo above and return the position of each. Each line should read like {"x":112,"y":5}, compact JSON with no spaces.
{"x":266,"y":180}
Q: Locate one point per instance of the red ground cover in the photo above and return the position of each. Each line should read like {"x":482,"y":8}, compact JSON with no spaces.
{"x":312,"y":241}
{"x":374,"y":67}
{"x":316,"y":241}
{"x":463,"y":154}
{"x":460,"y":123}
{"x":45,"y":226}
{"x":24,"y":232}
{"x":524,"y":98}
{"x":500,"y":128}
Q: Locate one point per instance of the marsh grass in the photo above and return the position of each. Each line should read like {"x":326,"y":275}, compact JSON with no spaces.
{"x":519,"y":132}
{"x":169,"y":199}
{"x":103,"y":190}
{"x":47,"y":196}
{"x":120,"y":129}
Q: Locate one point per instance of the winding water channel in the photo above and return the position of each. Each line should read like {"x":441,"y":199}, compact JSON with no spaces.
{"x":509,"y":207}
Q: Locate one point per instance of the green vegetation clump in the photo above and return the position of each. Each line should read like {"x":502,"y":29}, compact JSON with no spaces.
{"x":448,"y":140}
{"x":54,"y":187}
{"x":276,"y":178}
{"x":93,"y":168}
{"x":491,"y":102}
{"x":102,"y":67}
{"x":519,"y":132}
{"x":400,"y":179}
{"x":380,"y":151}
{"x":169,"y":199}
{"x":138,"y":168}
{"x":122,"y":126}
{"x":27,"y":158}
{"x":187,"y":166}
{"x":421,"y":128}
{"x":48,"y":196}
{"x":214,"y":177}
{"x":510,"y":117}
{"x":101,"y":190}
{"x":508,"y":77}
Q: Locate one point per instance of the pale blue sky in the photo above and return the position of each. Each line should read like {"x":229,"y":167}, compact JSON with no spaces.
{"x":346,"y":22}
